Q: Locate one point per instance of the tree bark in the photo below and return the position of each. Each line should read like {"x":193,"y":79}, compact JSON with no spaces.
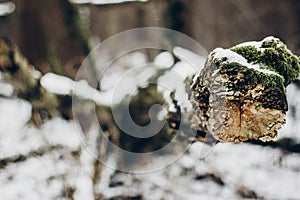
{"x":50,"y":33}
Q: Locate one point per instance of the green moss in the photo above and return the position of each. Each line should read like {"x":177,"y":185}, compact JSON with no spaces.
{"x":251,"y":77}
{"x":248,"y":52}
{"x":274,"y":55}
{"x":273,"y":84}
{"x":274,"y":95}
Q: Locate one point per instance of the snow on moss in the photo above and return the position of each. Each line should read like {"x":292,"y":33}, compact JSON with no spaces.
{"x":273,"y":54}
{"x":232,"y":57}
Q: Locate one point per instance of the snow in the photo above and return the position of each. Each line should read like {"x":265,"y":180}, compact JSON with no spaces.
{"x":255,"y":168}
{"x":292,"y":127}
{"x":25,"y":138}
{"x":57,"y":84}
{"x":133,"y":59}
{"x":128,"y":83}
{"x":233,"y":57}
{"x":61,"y":132}
{"x":236,"y":164}
{"x":103,"y":185}
{"x":20,"y":111}
{"x":84,"y":188}
{"x":174,"y":79}
{"x":258,"y":44}
{"x":35,"y":73}
{"x":255,"y":44}
{"x":61,"y":85}
{"x":164,"y":60}
{"x":195,"y":60}
{"x":7,"y":8}
{"x":36,"y":178}
{"x":269,"y":38}
{"x":119,"y":80}
{"x":6,"y":89}
{"x":103,"y":2}
{"x":39,"y":176}
{"x":123,"y":77}
{"x":85,"y":91}
{"x":84,"y":182}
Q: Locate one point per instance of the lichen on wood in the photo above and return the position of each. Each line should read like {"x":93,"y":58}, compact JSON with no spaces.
{"x":25,"y":79}
{"x":240,"y":93}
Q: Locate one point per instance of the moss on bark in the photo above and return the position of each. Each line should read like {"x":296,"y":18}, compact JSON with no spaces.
{"x":272,"y":54}
{"x":240,"y":93}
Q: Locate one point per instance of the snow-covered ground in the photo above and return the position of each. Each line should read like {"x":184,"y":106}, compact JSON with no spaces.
{"x":51,"y":163}
{"x":268,"y":172}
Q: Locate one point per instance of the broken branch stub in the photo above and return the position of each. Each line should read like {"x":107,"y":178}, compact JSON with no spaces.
{"x":240,"y":93}
{"x":24,"y":78}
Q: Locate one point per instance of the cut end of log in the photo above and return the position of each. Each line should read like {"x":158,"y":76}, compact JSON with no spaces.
{"x":240,"y":93}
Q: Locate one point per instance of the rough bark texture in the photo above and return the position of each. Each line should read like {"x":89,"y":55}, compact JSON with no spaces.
{"x":18,"y":72}
{"x":240,"y":93}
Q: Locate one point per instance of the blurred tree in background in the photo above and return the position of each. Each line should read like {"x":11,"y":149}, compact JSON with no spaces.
{"x":48,"y":32}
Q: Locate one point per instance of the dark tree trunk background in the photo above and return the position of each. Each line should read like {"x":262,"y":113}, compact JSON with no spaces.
{"x":53,"y":37}
{"x":49,"y":33}
{"x":212,"y":23}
